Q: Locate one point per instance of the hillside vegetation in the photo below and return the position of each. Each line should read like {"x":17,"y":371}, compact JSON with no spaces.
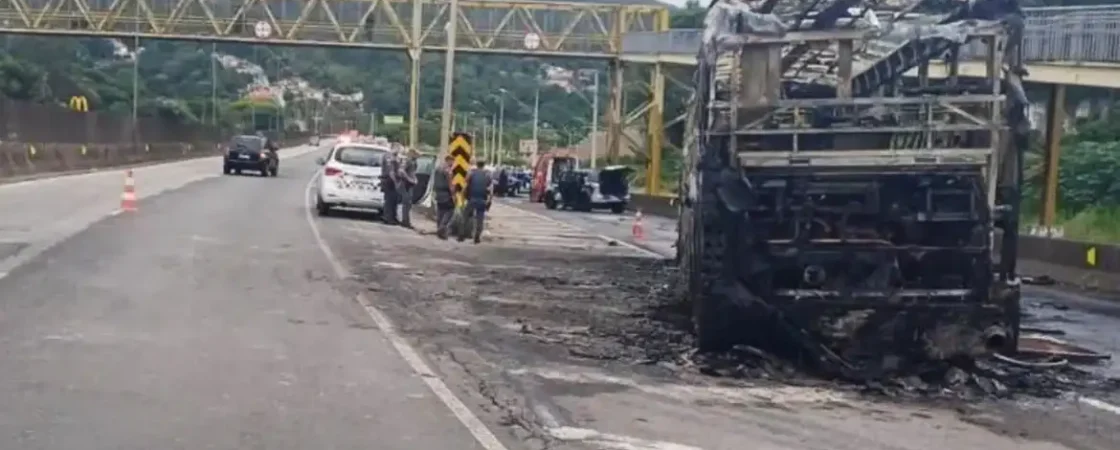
{"x":175,"y":82}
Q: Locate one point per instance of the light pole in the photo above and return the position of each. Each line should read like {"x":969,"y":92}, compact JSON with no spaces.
{"x":136,"y":71}
{"x":493,"y":138}
{"x":501,"y":125}
{"x":448,"y":75}
{"x":213,"y":85}
{"x":482,"y":143}
{"x":595,"y":119}
{"x":136,"y":81}
{"x":536,"y":124}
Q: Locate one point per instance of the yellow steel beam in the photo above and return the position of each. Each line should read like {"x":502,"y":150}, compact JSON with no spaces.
{"x":654,"y":141}
{"x":655,"y":129}
{"x":556,"y":28}
{"x":1055,"y":119}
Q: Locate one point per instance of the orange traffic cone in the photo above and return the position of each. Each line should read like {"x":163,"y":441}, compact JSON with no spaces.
{"x":128,"y":197}
{"x":636,"y":229}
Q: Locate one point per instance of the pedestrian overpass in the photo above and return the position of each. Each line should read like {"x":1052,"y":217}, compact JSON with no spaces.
{"x":1062,"y":46}
{"x":1070,"y":46}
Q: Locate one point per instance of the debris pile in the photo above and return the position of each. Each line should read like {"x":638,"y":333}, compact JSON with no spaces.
{"x":653,"y":329}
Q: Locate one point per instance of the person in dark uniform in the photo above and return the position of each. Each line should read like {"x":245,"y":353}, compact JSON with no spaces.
{"x":479,"y":188}
{"x":389,"y":172}
{"x":444,"y":196}
{"x":504,"y":186}
{"x":407,"y":179}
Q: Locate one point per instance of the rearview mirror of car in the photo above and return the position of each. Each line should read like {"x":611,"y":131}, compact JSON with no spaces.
{"x":320,"y":161}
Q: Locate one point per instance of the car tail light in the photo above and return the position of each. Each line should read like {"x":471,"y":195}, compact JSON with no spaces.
{"x":331,"y":171}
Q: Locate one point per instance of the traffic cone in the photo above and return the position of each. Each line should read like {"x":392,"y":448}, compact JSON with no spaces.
{"x":636,"y":229}
{"x":128,"y":197}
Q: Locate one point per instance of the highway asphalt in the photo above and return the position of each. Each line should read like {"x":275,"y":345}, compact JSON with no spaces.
{"x":225,"y":315}
{"x":209,"y":319}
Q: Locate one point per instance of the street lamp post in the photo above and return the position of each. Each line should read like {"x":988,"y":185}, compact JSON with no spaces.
{"x":536,"y":124}
{"x":595,"y":121}
{"x":501,"y":126}
{"x":136,"y":81}
{"x":448,"y":73}
{"x":493,"y":138}
{"x":594,"y":113}
{"x":213,"y":85}
{"x":481,"y":145}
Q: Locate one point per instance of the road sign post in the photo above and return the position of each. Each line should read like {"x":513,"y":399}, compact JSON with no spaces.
{"x":460,"y":148}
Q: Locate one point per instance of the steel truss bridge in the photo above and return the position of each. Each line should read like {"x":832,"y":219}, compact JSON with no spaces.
{"x":560,"y":29}
{"x":633,"y":36}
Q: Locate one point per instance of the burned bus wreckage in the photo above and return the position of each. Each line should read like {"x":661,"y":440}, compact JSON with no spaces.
{"x":841,"y":212}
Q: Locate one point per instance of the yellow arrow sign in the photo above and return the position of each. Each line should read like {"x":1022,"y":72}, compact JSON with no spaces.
{"x":462,"y":149}
{"x":1091,"y":256}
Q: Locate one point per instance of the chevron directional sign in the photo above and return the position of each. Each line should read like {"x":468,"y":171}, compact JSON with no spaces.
{"x":461,"y":149}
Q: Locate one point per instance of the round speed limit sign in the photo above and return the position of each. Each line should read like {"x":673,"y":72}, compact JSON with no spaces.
{"x":532,"y":41}
{"x":262,"y":29}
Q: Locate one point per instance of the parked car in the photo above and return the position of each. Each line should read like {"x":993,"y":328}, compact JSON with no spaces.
{"x":588,"y":189}
{"x":255,"y":153}
{"x":351,"y":178}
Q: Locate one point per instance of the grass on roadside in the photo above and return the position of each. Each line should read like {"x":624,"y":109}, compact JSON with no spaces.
{"x":1098,"y":224}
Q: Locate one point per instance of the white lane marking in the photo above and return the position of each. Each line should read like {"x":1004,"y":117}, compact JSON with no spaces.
{"x":613,"y":441}
{"x":623,"y":243}
{"x":1100,"y":404}
{"x":474,"y":425}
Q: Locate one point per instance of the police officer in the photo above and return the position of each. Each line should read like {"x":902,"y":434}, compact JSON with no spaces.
{"x":480,"y":185}
{"x":407,"y":181}
{"x":390,"y":170}
{"x":444,"y":196}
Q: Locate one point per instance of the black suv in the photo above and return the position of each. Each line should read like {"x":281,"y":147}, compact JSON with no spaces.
{"x":249,"y":152}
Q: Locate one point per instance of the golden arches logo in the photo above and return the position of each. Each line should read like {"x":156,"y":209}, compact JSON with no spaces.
{"x":79,"y":103}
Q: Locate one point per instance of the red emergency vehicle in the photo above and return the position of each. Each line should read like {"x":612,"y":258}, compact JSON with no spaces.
{"x":548,"y":169}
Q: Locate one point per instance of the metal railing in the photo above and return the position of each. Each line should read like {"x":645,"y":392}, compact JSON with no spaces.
{"x":1067,"y":34}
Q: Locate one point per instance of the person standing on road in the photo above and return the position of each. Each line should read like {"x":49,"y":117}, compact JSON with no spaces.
{"x":407,"y":179}
{"x":480,"y":185}
{"x":389,"y":183}
{"x":445,"y":197}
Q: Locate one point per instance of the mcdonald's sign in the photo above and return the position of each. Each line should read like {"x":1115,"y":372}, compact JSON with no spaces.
{"x":79,"y":103}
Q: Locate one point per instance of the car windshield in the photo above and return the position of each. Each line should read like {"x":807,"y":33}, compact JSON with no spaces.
{"x":251,"y":143}
{"x":425,"y":164}
{"x":360,"y":155}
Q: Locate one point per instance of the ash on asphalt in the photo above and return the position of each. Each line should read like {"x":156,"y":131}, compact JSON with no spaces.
{"x":628,"y":314}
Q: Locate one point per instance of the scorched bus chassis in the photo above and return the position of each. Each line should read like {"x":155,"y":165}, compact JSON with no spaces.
{"x":849,"y":221}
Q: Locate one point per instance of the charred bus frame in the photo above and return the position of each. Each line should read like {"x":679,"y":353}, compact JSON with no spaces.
{"x":861,"y":223}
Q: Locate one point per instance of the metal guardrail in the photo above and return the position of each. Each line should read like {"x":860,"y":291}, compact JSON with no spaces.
{"x":1068,"y":34}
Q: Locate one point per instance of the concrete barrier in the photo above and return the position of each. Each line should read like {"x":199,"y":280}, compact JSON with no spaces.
{"x":1082,"y":264}
{"x":30,"y":159}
